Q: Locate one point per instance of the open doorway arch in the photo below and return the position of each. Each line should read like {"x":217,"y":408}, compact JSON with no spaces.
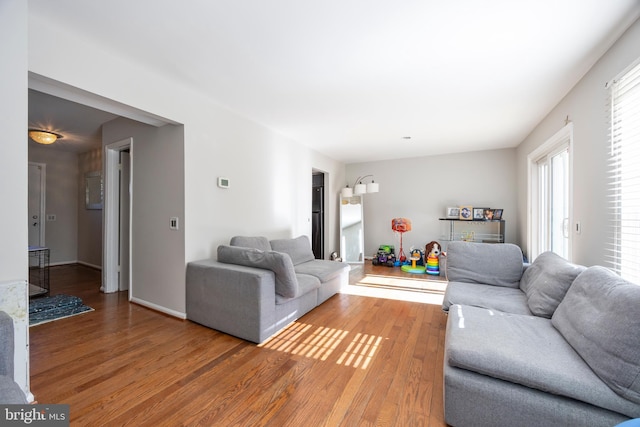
{"x":111,"y":235}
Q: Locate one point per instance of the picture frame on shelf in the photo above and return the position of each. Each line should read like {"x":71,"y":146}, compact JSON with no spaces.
{"x":466,"y":213}
{"x":497,"y":214}
{"x":478,"y":214}
{"x":488,"y":214}
{"x":453,"y":212}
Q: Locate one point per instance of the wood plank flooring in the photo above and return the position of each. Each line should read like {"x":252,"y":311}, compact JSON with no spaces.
{"x":353,"y":361}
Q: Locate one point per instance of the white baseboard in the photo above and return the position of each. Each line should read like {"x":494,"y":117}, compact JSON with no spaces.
{"x":54,"y":264}
{"x":159,"y":308}
{"x":97,"y":267}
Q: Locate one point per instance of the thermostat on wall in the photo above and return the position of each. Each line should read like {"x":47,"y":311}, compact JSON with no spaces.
{"x":223,"y":182}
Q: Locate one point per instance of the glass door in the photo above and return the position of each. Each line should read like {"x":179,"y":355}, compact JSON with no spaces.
{"x":553,"y":202}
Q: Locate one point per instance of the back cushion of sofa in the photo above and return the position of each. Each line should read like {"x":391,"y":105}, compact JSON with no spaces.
{"x":299,"y":249}
{"x":600,"y":318}
{"x":546,"y":282}
{"x":256,"y":242}
{"x":279,"y":263}
{"x":488,"y":263}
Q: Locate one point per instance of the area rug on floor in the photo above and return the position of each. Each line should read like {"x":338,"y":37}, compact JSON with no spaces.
{"x":48,"y":309}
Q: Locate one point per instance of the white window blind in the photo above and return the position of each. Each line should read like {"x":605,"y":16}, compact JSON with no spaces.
{"x":624,"y":250}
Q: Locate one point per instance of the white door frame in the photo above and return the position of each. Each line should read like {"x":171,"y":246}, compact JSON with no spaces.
{"x":111,"y":211}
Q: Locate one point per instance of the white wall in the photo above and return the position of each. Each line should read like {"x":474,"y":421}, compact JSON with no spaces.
{"x":61,"y":235}
{"x":14,"y":119}
{"x":422,"y":188}
{"x":89,"y":220}
{"x":270,"y":174}
{"x":585,"y":105}
{"x":13,"y":178}
{"x":157,"y":185}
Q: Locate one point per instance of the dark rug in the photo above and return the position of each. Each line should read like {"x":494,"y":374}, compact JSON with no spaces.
{"x":48,"y":309}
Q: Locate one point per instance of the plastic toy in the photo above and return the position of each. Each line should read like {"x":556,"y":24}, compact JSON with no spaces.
{"x":433,"y":251}
{"x":416,"y":257}
{"x":385,"y":256}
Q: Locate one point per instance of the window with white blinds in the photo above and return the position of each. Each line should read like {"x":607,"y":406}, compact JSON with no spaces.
{"x":624,"y":190}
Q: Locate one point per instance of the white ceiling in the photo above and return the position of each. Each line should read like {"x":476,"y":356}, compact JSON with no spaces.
{"x":352,"y":78}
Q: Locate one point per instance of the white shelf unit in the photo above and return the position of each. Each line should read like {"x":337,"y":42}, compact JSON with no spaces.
{"x":472,"y":231}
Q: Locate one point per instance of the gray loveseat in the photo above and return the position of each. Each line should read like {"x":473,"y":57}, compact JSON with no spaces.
{"x":257,"y":287}
{"x":550,"y":343}
{"x":10,"y":391}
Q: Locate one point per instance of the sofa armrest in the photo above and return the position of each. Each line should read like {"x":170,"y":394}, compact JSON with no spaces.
{"x":6,"y":345}
{"x":10,"y":391}
{"x":234,"y":299}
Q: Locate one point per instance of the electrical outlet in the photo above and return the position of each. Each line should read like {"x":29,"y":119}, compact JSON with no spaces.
{"x":51,"y":217}
{"x":173,"y":223}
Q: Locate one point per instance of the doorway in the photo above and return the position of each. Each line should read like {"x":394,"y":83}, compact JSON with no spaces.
{"x":117,"y":217}
{"x":317,"y":215}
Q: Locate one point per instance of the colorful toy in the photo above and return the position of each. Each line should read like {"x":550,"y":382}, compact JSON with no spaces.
{"x":418,"y":254}
{"x":385,"y":256}
{"x":416,"y":257}
{"x":401,"y":225}
{"x":433,"y":251}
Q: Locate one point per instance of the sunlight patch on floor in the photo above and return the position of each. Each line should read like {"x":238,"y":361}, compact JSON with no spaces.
{"x":398,"y":288}
{"x":298,"y":338}
{"x":360,"y":351}
{"x":317,"y":345}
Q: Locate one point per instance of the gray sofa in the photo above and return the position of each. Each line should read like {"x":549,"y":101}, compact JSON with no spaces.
{"x":257,"y":287}
{"x":10,"y":392}
{"x":550,"y":343}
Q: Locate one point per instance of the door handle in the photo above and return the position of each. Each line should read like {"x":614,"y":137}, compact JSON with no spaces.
{"x":565,"y":228}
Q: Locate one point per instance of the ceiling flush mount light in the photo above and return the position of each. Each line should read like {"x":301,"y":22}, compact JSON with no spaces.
{"x":360,"y":188}
{"x":44,"y":136}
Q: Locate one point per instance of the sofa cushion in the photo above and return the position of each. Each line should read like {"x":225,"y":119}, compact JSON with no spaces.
{"x":278,"y":262}
{"x":525,"y":350}
{"x":256,"y":242}
{"x":600,"y":318}
{"x":546,"y":281}
{"x":306,"y":284}
{"x":487,"y":263}
{"x":299,"y":249}
{"x":501,"y":298}
{"x":323,"y":269}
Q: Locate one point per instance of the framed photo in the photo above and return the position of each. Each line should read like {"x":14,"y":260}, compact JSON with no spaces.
{"x":497,"y":214}
{"x":478,"y":214}
{"x":466,"y":213}
{"x":453,"y":212}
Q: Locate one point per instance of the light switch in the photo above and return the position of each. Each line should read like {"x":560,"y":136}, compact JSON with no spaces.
{"x":173,"y":223}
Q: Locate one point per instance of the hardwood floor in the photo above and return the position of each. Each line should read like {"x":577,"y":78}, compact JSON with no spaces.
{"x":353,"y":361}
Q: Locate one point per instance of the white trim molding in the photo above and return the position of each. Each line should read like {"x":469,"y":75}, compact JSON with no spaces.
{"x":111,"y":212}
